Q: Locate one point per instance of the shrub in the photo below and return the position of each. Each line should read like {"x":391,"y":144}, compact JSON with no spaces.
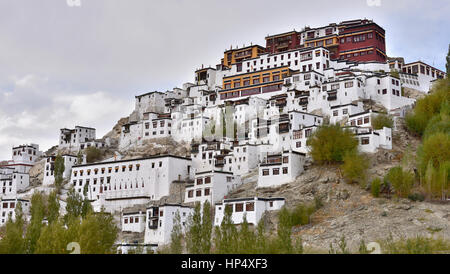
{"x":416,"y":197}
{"x":355,"y":167}
{"x":436,"y":148}
{"x":382,"y":120}
{"x":93,"y":154}
{"x":375,"y":187}
{"x":329,"y":143}
{"x":430,"y":105}
{"x":417,"y":245}
{"x":401,"y":180}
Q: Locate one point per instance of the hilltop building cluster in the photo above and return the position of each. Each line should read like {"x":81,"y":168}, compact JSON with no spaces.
{"x":252,"y":112}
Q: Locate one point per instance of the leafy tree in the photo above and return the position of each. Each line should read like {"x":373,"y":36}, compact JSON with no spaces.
{"x":355,"y":167}
{"x":52,"y":239}
{"x":52,"y":207}
{"x":246,"y":239}
{"x":37,"y":211}
{"x":93,"y":154}
{"x":329,"y":143}
{"x":176,"y":237}
{"x":59,"y":171}
{"x":226,"y":235}
{"x":382,"y":120}
{"x":261,"y":242}
{"x":194,"y":234}
{"x":74,"y":205}
{"x":13,"y":242}
{"x":401,"y":180}
{"x":206,"y":229}
{"x":436,"y":148}
{"x":284,"y":231}
{"x":97,"y":233}
{"x":86,"y":207}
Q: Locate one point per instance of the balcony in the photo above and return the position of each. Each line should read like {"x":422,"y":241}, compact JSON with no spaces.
{"x":332,"y":96}
{"x":303,"y":102}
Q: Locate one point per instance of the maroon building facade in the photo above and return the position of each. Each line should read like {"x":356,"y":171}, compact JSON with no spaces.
{"x":361,"y":41}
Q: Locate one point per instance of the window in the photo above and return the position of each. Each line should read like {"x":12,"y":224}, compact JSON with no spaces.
{"x":198,"y":193}
{"x":125,"y":220}
{"x":344,"y":111}
{"x":250,"y":206}
{"x":207,"y":180}
{"x":348,"y":84}
{"x":285,"y":170}
{"x":285,"y":159}
{"x":265,"y":172}
{"x":207,"y":191}
{"x":190,"y":193}
{"x":239,"y":207}
{"x":298,"y":144}
{"x":365,"y":141}
{"x":335,"y":113}
{"x":199,"y":181}
{"x":276,"y":171}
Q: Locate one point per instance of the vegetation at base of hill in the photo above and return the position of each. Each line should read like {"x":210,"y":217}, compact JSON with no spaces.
{"x":382,"y":120}
{"x":94,"y":232}
{"x":329,"y":143}
{"x":201,"y":237}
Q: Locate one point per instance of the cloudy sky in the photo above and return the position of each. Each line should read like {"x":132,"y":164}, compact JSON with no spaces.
{"x":62,"y":66}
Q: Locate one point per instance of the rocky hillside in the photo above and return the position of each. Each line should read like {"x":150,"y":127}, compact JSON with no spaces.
{"x":353,"y":212}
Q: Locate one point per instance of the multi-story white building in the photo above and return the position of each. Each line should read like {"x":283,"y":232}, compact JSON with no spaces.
{"x":8,"y":209}
{"x":49,"y":168}
{"x":211,"y":186}
{"x":79,"y":138}
{"x":280,"y":168}
{"x":252,"y":208}
{"x":133,"y":221}
{"x":119,"y":184}
{"x":160,"y":222}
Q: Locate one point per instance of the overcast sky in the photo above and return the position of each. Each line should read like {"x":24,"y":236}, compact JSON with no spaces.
{"x":63,"y":66}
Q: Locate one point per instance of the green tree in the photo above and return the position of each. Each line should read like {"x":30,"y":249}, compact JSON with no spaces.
{"x":97,"y":233}
{"x":226,"y":234}
{"x":37,"y":210}
{"x":176,"y":237}
{"x":355,"y":167}
{"x":382,"y":120}
{"x":401,"y":180}
{"x":284,"y":231}
{"x":52,"y":207}
{"x":74,"y":205}
{"x":13,"y":241}
{"x":436,"y":148}
{"x":93,"y":154}
{"x":52,"y":239}
{"x":329,"y":143}
{"x":86,"y":207}
{"x":246,"y":239}
{"x":206,"y":229}
{"x":59,"y":171}
{"x":194,"y":233}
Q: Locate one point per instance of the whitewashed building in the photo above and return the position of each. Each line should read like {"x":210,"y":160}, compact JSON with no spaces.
{"x":8,"y":207}
{"x":49,"y":168}
{"x":211,"y":186}
{"x":124,"y":183}
{"x":79,"y":138}
{"x":133,"y":221}
{"x":160,"y":222}
{"x":280,"y":168}
{"x":252,"y":208}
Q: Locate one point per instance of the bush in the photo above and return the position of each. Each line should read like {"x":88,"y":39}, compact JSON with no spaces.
{"x":416,"y":197}
{"x":355,"y":167}
{"x":401,"y":180}
{"x":430,"y":105}
{"x":436,"y":148}
{"x":438,"y":124}
{"x":417,"y":245}
{"x":329,"y":143}
{"x":382,"y":120}
{"x":93,"y":154}
{"x":376,"y":187}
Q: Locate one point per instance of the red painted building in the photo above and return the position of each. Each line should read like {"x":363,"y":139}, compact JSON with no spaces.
{"x":361,"y":41}
{"x":282,"y":42}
